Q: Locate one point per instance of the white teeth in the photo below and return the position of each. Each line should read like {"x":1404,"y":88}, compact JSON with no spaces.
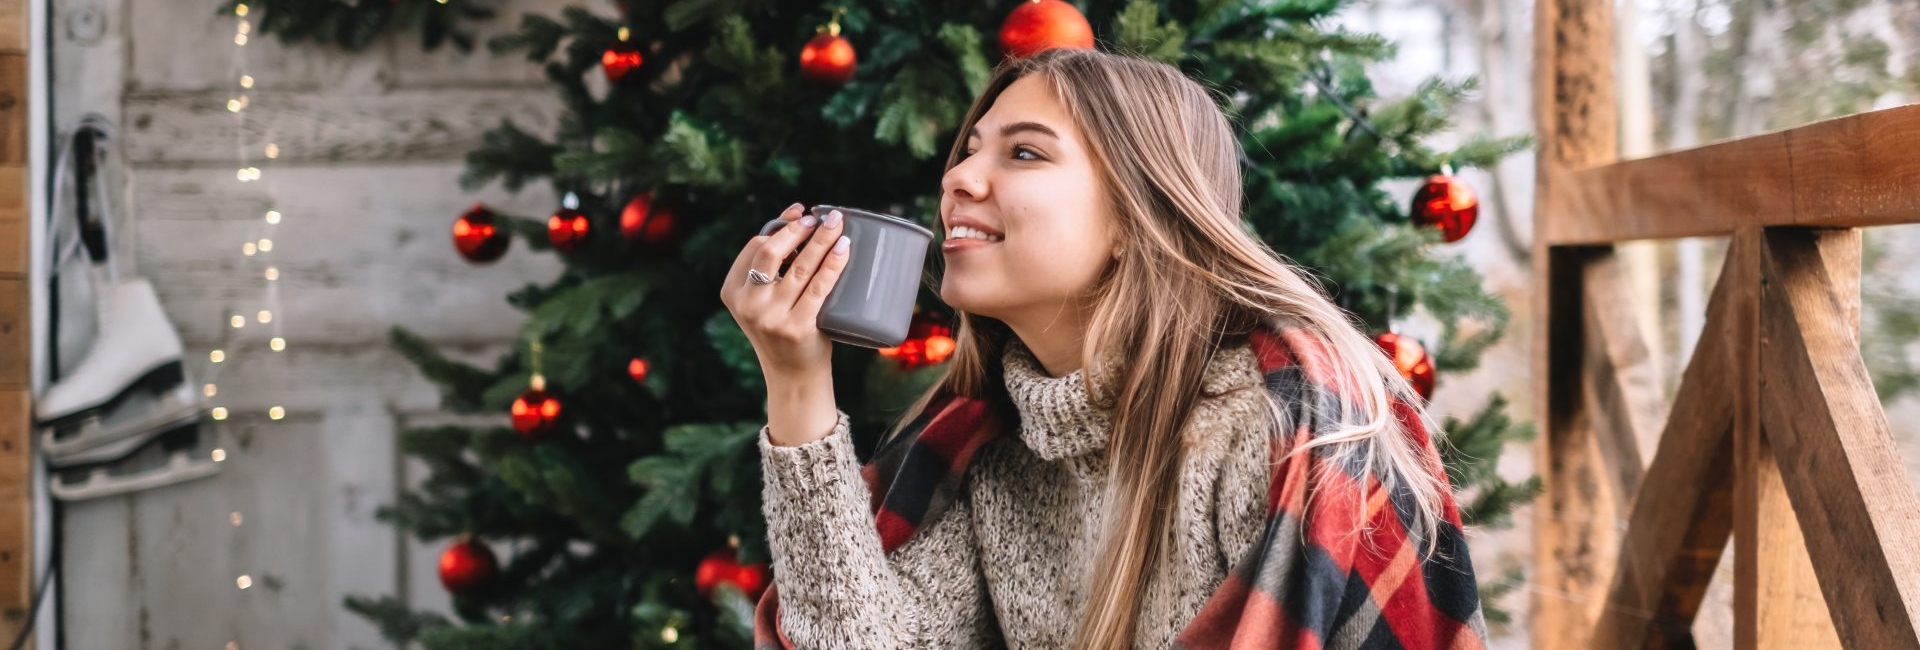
{"x":963,"y":232}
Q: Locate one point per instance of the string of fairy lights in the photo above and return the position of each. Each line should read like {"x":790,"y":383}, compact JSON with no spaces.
{"x":256,"y":260}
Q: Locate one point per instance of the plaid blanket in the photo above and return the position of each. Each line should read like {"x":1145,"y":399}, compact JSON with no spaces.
{"x":1341,"y":573}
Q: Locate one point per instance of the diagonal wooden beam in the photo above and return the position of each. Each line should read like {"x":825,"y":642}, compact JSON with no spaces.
{"x":1620,"y":387}
{"x":1674,"y":541}
{"x":1835,"y":451}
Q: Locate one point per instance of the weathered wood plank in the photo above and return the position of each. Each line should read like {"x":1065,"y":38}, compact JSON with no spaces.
{"x":1574,"y":532}
{"x":1620,"y":386}
{"x":1834,"y":449}
{"x":16,"y":512}
{"x":13,"y":110}
{"x":193,"y":50}
{"x":15,"y":346}
{"x":1777,"y":602}
{"x":13,"y":27}
{"x":358,"y":249}
{"x":1674,"y":542}
{"x":1851,"y":171}
{"x":309,"y":378}
{"x":195,"y":128}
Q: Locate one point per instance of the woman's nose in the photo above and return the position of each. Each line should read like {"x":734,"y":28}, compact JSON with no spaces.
{"x":963,"y":182}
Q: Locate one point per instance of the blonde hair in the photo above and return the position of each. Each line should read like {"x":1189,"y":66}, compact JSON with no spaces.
{"x":1191,"y":279}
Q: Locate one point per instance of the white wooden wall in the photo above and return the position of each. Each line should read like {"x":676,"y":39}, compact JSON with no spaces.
{"x":371,"y":144}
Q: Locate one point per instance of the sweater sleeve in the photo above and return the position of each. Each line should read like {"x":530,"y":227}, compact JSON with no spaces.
{"x":838,"y":589}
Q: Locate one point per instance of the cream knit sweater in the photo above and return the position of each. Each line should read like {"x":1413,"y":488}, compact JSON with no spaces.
{"x":1007,"y":564}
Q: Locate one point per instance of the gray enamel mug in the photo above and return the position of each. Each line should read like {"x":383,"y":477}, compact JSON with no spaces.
{"x":872,"y":304}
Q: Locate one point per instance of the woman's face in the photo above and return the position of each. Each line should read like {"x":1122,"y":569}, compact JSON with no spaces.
{"x":1025,"y":179}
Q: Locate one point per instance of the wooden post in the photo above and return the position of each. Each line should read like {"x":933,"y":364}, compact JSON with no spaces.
{"x":16,"y":489}
{"x":1576,"y":522}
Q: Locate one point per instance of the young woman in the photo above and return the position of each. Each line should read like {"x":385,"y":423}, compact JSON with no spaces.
{"x":1154,"y":431}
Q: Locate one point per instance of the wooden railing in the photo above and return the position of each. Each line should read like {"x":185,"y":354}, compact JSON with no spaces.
{"x":1775,"y":437}
{"x":16,"y":494}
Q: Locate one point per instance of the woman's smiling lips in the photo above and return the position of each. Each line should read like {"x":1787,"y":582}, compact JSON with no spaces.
{"x":957,"y":245}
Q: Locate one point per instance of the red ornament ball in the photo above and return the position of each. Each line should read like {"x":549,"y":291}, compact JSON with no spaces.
{"x":466,"y":565}
{"x":567,"y":229}
{"x":928,"y":342}
{"x":477,"y":238}
{"x":536,"y":414}
{"x":643,"y":222}
{"x":723,"y":567}
{"x":1448,"y":204}
{"x":828,"y":59}
{"x":1411,"y":359}
{"x":619,"y":60}
{"x":1039,"y":25}
{"x":638,"y":369}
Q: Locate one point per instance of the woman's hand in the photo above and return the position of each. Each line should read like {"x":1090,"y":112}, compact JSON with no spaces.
{"x":780,"y":318}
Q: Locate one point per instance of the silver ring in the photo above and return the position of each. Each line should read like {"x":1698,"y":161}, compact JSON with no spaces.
{"x":757,"y":277}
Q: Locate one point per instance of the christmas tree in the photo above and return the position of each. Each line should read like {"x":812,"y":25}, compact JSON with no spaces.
{"x":627,"y":486}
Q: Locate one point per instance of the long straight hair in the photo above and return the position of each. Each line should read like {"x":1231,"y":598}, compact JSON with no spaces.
{"x":1191,"y":279}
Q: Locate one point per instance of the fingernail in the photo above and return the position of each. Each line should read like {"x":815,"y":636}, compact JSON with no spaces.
{"x":808,"y":221}
{"x":796,"y":205}
{"x":833,"y":218}
{"x":840,"y":247}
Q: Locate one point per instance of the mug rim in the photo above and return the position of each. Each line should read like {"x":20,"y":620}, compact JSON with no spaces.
{"x":898,"y":220}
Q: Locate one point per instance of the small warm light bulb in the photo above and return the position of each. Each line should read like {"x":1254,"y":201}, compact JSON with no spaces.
{"x":246,"y":81}
{"x":670,"y":634}
{"x":239,"y":39}
{"x":266,"y":245}
{"x":217,"y":356}
{"x":244,"y":581}
{"x":624,"y":33}
{"x":253,"y":173}
{"x":273,"y":273}
{"x":249,"y":249}
{"x":238,"y":321}
{"x":276,"y":412}
{"x":240,"y":174}
{"x":265,"y":316}
{"x":210,"y":390}
{"x":240,"y":9}
{"x":273,"y":151}
{"x":219,"y":455}
{"x":219,"y":413}
{"x":233,"y":105}
{"x":246,"y":26}
{"x":273,"y":216}
{"x":277,"y":344}
{"x":235,"y":518}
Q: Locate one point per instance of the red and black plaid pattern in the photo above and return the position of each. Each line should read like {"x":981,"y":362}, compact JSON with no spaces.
{"x":1337,"y":567}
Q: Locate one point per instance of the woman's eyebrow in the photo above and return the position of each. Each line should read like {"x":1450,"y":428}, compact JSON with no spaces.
{"x":1018,"y":127}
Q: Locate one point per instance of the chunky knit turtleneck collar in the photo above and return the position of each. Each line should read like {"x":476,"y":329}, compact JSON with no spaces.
{"x":1057,"y":420}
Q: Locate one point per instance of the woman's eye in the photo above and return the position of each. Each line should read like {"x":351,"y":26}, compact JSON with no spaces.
{"x":1023,"y":149}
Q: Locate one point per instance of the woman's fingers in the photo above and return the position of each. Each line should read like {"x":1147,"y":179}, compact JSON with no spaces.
{"x":782,"y":243}
{"x":810,"y":257}
{"x":815,"y":293}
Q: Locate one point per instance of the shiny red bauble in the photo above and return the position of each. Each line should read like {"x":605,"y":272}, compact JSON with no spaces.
{"x":1411,"y":359}
{"x":1039,"y":25}
{"x":1448,"y":204}
{"x":536,"y":414}
{"x":466,"y":566}
{"x":645,"y":222}
{"x":567,"y":229}
{"x":723,"y":567}
{"x":828,"y":59}
{"x":478,"y":238}
{"x":619,"y":60}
